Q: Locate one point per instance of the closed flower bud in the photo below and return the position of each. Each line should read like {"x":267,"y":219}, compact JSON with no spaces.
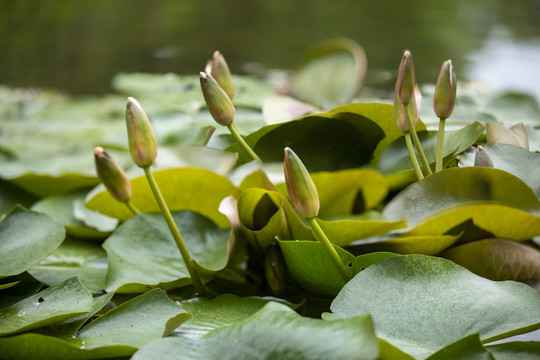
{"x":112,"y":175}
{"x":302,"y":191}
{"x":218,"y":102}
{"x":218,"y":68}
{"x":142,"y":142}
{"x":482,"y":158}
{"x":445,"y":91}
{"x":405,"y":82}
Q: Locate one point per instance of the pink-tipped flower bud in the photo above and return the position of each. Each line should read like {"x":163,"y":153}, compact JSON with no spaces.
{"x":218,"y":102}
{"x":112,"y":175}
{"x":142,"y":141}
{"x":445,"y":91}
{"x":405,"y":82}
{"x":414,"y":110}
{"x":302,"y":191}
{"x":218,"y":68}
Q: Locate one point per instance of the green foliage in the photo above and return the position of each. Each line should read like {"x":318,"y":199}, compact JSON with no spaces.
{"x":84,"y":277}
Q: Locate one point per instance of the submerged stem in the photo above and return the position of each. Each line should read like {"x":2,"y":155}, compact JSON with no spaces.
{"x":440,"y":145}
{"x":330,"y":250}
{"x":236,"y":134}
{"x":175,"y":232}
{"x":414,"y":161}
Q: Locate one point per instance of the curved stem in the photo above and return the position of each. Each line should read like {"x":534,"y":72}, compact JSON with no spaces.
{"x":188,"y":261}
{"x":414,"y":161}
{"x":440,"y":145}
{"x":236,"y":134}
{"x":330,"y":250}
{"x":132,"y":208}
{"x":416,"y":141}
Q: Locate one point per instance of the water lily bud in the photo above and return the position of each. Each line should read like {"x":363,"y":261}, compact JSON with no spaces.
{"x":275,"y":269}
{"x":445,"y":91}
{"x":218,"y":68}
{"x":302,"y":190}
{"x":218,"y":102}
{"x":142,"y":142}
{"x":405,"y":81}
{"x":414,"y":110}
{"x":482,"y":158}
{"x":112,"y":175}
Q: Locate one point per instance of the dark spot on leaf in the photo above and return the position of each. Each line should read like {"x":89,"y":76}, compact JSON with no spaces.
{"x":41,"y":299}
{"x":349,"y":264}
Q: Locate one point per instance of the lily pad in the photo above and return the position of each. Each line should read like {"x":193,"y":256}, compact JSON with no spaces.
{"x":142,"y":253}
{"x":459,"y":304}
{"x":62,"y":209}
{"x":427,"y":244}
{"x":331,"y":73}
{"x":192,"y":189}
{"x":523,"y":350}
{"x":87,"y":261}
{"x":470,"y":347}
{"x":275,"y":331}
{"x":522,"y":163}
{"x":62,"y":301}
{"x":498,"y":220}
{"x":27,"y":238}
{"x":497,"y":259}
{"x":225,"y":310}
{"x":120,"y":332}
{"x":310,"y":266}
{"x":457,"y":186}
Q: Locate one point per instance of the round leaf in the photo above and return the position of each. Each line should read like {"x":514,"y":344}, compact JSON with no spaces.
{"x":421,"y":304}
{"x":26,"y":238}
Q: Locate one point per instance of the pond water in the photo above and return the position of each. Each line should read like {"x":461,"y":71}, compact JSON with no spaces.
{"x":77,"y":46}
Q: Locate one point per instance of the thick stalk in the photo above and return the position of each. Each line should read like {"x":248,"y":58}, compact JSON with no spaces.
{"x":415,"y":164}
{"x":330,"y":250}
{"x":440,"y":145}
{"x":175,"y":232}
{"x":416,"y":141}
{"x":132,"y":208}
{"x":236,"y":134}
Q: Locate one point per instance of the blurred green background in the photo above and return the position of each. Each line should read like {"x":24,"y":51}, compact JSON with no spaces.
{"x":77,"y":46}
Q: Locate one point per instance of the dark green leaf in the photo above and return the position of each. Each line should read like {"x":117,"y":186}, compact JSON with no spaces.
{"x":522,"y":350}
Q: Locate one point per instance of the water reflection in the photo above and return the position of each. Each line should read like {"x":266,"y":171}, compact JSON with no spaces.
{"x":78,"y":46}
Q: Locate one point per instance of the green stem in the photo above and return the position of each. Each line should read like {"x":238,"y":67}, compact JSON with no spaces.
{"x":414,"y":161}
{"x":416,"y":141}
{"x":175,"y":232}
{"x":132,"y":208}
{"x":440,"y":145}
{"x":236,"y":134}
{"x":330,"y":250}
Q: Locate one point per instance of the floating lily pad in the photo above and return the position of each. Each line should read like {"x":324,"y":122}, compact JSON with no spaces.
{"x":120,"y":332}
{"x":275,"y":331}
{"x":192,"y":189}
{"x":62,"y":301}
{"x":523,"y":350}
{"x":497,"y":259}
{"x":74,"y":258}
{"x":427,"y":244}
{"x":310,"y":266}
{"x":498,"y":220}
{"x":457,"y":186}
{"x":394,"y":292}
{"x":225,"y":310}
{"x":331,"y":73}
{"x":27,"y":238}
{"x":344,"y":232}
{"x":142,"y":253}
{"x":62,"y":209}
{"x":470,"y":347}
